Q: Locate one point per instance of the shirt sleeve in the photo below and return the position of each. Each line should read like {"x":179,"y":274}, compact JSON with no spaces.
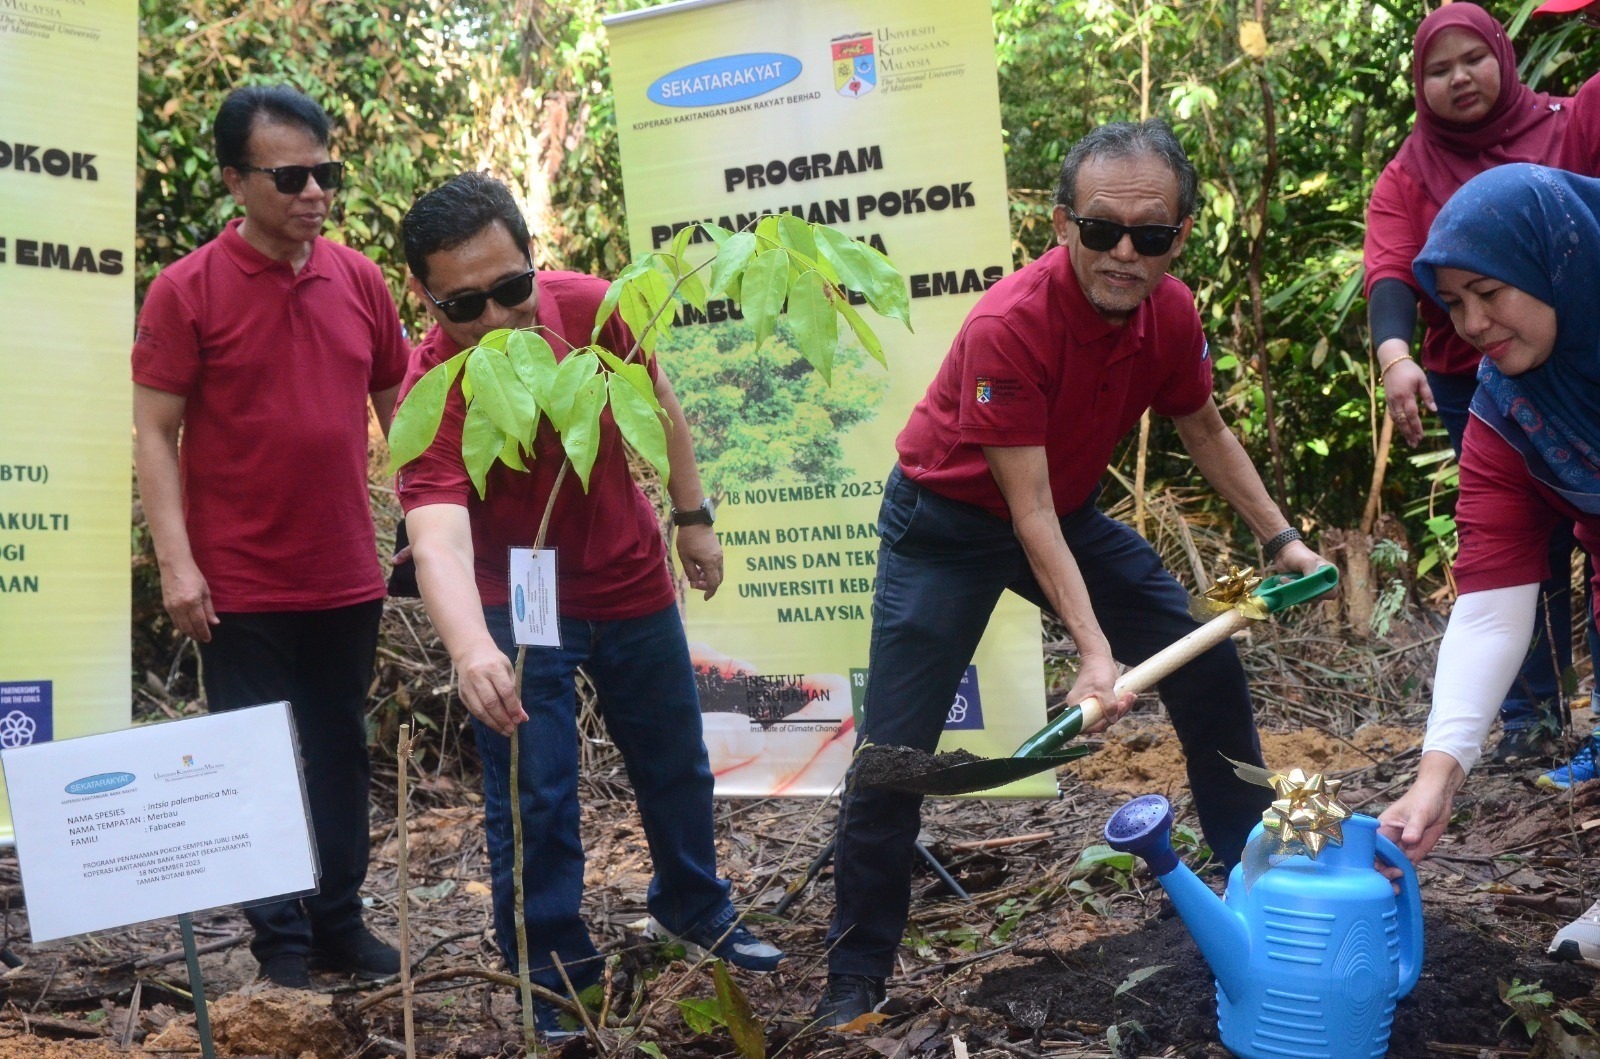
{"x":1392,"y":240}
{"x":1188,"y":388}
{"x":390,"y":351}
{"x":166,"y":347}
{"x":1002,"y":401}
{"x":1503,"y":521}
{"x":1482,"y":650}
{"x":1580,"y":148}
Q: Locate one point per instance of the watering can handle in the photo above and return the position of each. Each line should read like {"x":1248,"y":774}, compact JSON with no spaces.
{"x":1410,"y":915}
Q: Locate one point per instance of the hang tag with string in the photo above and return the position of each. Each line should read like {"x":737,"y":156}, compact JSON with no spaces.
{"x":535,"y":618}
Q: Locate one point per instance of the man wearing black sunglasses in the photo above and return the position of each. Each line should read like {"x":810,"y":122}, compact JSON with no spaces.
{"x":468,"y":249}
{"x":995,"y":489}
{"x":263,"y":349}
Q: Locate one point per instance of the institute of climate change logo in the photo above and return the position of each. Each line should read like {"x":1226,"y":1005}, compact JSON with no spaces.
{"x":726,"y":79}
{"x":855,"y":67}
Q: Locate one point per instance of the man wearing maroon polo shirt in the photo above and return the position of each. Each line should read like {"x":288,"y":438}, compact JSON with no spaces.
{"x":262,"y":349}
{"x":471,"y":265}
{"x":995,"y":488}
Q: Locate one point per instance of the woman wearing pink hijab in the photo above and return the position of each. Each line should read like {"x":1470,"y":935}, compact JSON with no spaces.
{"x":1473,"y":113}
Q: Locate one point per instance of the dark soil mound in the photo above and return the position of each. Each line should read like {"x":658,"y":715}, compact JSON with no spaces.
{"x":878,"y":765}
{"x":1455,"y":1002}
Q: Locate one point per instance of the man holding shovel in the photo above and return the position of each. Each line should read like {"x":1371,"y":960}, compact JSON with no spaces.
{"x":995,"y":487}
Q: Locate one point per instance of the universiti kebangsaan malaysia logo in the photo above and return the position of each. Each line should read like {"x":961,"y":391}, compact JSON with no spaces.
{"x":855,"y":66}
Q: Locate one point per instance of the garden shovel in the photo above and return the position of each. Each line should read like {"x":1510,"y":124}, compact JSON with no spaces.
{"x":1044,"y":749}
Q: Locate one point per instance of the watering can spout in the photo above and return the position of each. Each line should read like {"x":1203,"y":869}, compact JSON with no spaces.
{"x":1143,"y":827}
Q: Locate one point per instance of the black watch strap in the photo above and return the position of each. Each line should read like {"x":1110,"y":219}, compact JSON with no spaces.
{"x":1278,"y":543}
{"x":704,"y":515}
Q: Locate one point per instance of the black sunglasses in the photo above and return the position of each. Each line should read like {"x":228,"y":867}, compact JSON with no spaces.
{"x":291,"y":179}
{"x":1149,"y":240}
{"x":465,"y":308}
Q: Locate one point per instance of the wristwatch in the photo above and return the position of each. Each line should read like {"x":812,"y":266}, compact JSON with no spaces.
{"x":704,"y":515}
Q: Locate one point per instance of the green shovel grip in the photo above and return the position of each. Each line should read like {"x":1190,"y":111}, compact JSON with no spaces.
{"x":1285,"y":590}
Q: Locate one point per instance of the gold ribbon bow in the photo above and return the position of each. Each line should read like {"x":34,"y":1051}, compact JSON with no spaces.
{"x":1234,"y":590}
{"x":1306,"y":815}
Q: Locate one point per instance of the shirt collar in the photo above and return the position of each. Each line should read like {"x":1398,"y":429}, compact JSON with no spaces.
{"x":1084,"y":320}
{"x":253,"y":262}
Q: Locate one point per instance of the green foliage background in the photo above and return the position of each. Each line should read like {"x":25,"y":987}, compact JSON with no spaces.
{"x":422,"y":90}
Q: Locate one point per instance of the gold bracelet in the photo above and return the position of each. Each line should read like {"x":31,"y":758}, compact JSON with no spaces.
{"x":1389,"y":365}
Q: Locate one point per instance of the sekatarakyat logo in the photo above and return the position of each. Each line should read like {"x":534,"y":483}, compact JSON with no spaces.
{"x":726,"y":79}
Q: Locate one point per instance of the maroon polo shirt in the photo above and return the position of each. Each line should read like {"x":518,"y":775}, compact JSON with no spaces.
{"x":1580,"y":150}
{"x":1505,"y":517}
{"x":1034,"y":364}
{"x":611,"y":561}
{"x":275,"y":367}
{"x":1399,"y":215}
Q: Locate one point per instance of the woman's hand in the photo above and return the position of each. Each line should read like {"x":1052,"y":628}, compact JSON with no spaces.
{"x":1405,"y":392}
{"x":1417,"y":820}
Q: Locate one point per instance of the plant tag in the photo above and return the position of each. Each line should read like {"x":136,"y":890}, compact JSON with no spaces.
{"x":535,"y":619}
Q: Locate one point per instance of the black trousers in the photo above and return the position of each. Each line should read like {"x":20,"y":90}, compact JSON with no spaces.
{"x":321,"y":662}
{"x":942,"y":566}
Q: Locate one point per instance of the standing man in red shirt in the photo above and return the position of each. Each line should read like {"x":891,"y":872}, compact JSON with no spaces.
{"x":995,"y":489}
{"x":471,"y":265}
{"x":262,"y":348}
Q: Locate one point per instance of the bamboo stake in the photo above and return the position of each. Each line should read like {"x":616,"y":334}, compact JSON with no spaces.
{"x":403,"y":883}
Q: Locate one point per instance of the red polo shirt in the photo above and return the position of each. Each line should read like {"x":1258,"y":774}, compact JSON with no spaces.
{"x":1399,"y":215}
{"x":1035,"y":364}
{"x":611,"y":561}
{"x":275,"y":367}
{"x":1580,"y":150}
{"x":1505,"y":517}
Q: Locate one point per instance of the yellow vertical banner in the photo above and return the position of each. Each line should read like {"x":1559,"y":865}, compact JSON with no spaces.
{"x":68,"y":120}
{"x":880,"y":119}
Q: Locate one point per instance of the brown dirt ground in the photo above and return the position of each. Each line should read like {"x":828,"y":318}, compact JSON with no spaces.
{"x":1515,"y":867}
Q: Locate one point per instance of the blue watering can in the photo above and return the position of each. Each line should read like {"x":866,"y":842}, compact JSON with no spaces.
{"x":1311,"y":960}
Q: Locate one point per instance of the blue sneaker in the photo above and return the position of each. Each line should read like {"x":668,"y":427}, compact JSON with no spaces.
{"x":724,"y":937}
{"x":1580,"y":769}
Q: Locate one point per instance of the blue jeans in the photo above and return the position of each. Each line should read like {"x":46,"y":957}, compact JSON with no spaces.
{"x":1539,"y":681}
{"x":646,"y":692}
{"x":942,"y":566}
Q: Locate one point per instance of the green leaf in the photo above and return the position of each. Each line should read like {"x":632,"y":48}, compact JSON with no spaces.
{"x":703,"y":1015}
{"x":614,"y":293}
{"x":680,"y":243}
{"x":692,"y":290}
{"x":733,"y":257}
{"x":481,"y":442}
{"x":795,"y":234}
{"x":511,"y":454}
{"x":863,"y":269}
{"x":645,"y":309}
{"x":717,"y":232}
{"x":864,"y":334}
{"x":1138,"y":976}
{"x":652,"y":1049}
{"x":767,"y":232}
{"x":496,"y":339}
{"x":535,"y":364}
{"x":749,"y":1035}
{"x":416,"y":421}
{"x":499,"y":392}
{"x":635,"y":373}
{"x":573,"y":371}
{"x":640,"y":421}
{"x":765,"y":284}
{"x":816,"y":325}
{"x":581,"y":439}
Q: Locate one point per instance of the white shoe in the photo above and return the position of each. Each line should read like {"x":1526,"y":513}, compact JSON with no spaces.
{"x":1580,"y":939}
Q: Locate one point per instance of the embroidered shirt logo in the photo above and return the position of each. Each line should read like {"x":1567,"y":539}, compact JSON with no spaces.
{"x":985,"y":391}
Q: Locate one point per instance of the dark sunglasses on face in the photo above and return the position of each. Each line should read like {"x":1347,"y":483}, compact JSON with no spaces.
{"x":1149,"y":240}
{"x":291,"y":179}
{"x":465,"y":308}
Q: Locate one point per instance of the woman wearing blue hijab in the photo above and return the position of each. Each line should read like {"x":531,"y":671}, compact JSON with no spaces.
{"x":1514,"y":257}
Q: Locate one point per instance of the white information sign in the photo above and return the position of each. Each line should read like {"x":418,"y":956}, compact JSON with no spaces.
{"x":535,"y":620}
{"x":156,"y":821}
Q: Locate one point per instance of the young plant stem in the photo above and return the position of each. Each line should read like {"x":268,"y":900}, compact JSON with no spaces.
{"x":583,"y":1011}
{"x":524,"y":981}
{"x":402,"y":883}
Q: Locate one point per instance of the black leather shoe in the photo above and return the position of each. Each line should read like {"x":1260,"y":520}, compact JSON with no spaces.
{"x":848,"y":997}
{"x":360,"y":953}
{"x":287,"y":970}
